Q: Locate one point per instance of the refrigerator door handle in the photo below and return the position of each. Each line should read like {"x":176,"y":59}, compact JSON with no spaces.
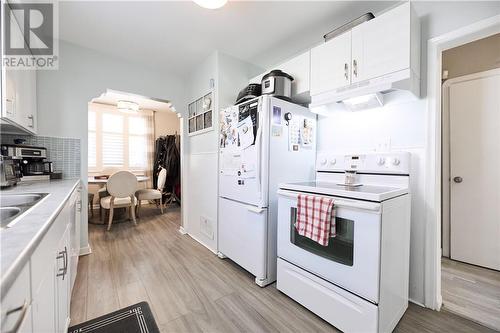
{"x":258,"y":146}
{"x":254,"y":209}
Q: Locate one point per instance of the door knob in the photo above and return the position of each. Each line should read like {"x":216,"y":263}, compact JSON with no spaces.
{"x":457,"y":179}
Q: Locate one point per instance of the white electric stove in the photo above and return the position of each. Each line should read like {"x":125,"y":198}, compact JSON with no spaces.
{"x":359,"y":282}
{"x":375,"y":193}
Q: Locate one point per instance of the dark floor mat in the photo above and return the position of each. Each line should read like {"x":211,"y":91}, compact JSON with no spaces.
{"x":136,"y":318}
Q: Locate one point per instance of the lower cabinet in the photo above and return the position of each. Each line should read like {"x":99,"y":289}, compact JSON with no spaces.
{"x":39,"y":299}
{"x":51,"y":300}
{"x":75,"y":203}
{"x":43,"y":303}
{"x":63,"y":282}
{"x":16,"y":308}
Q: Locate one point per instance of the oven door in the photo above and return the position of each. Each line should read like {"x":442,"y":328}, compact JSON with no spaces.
{"x":351,"y":260}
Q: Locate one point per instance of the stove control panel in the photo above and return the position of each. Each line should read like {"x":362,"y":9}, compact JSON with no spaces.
{"x":381,"y":163}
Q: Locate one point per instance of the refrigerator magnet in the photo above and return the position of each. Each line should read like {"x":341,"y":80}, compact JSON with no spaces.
{"x":276,"y":115}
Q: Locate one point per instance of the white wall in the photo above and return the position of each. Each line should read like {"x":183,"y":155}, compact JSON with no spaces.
{"x":396,"y":126}
{"x":201,"y":174}
{"x":83,"y":74}
{"x":200,"y":156}
{"x":167,"y":123}
{"x":403,"y":123}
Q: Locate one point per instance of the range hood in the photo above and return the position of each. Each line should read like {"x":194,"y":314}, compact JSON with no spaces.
{"x":404,"y":80}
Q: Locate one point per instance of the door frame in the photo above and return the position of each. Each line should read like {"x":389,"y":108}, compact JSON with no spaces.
{"x":433,"y":163}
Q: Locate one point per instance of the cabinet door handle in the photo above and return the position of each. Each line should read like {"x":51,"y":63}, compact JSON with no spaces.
{"x":24,"y":311}
{"x":355,"y":67}
{"x":65,"y":261}
{"x":346,"y":71}
{"x":11,"y":110}
{"x":61,"y":270}
{"x":30,"y":117}
{"x":64,"y":256}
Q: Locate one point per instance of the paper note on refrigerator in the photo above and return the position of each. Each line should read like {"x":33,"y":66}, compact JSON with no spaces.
{"x":245,"y":132}
{"x":294,"y":135}
{"x":307,"y":133}
{"x":230,"y":163}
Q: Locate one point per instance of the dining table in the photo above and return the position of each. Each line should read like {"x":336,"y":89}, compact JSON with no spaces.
{"x":119,"y":213}
{"x":103,"y":181}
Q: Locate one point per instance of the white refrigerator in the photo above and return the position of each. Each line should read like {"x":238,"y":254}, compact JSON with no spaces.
{"x":263,"y":142}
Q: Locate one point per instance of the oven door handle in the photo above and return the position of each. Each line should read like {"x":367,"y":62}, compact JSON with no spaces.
{"x":372,"y":206}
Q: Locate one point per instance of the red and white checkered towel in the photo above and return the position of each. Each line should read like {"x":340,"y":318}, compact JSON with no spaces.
{"x":315,"y":218}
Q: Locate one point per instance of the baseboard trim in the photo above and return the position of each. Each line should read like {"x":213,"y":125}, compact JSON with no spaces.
{"x":182,"y":231}
{"x":205,"y":245}
{"x":85,"y":250}
{"x":417,"y":303}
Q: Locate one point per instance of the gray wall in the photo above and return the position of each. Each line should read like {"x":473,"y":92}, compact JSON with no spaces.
{"x":475,"y":57}
{"x":83,"y":74}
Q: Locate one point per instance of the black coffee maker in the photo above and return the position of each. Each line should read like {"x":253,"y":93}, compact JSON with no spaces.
{"x":32,"y":161}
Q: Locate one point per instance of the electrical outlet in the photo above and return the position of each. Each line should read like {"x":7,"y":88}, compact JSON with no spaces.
{"x":206,"y":227}
{"x":384,"y":145}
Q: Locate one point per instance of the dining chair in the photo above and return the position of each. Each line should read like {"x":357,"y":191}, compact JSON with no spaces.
{"x":91,"y":203}
{"x":153,"y":194}
{"x":121,"y":187}
{"x":101,"y":193}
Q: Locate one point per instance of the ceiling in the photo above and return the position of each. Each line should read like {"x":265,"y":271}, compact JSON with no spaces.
{"x":111,"y":97}
{"x":175,"y":36}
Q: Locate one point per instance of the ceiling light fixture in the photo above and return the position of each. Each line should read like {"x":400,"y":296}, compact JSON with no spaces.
{"x":210,"y":4}
{"x":127,"y":107}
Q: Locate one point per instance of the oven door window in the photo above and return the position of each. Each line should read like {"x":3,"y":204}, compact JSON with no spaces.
{"x":340,"y":248}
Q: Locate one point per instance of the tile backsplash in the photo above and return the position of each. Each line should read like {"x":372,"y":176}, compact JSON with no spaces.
{"x":64,"y":153}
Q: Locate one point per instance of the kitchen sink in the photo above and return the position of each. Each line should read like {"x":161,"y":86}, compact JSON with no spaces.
{"x":13,"y":205}
{"x":7,"y":214}
{"x":19,"y":199}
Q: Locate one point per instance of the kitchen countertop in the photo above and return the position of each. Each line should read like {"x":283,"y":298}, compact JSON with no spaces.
{"x":18,"y":242}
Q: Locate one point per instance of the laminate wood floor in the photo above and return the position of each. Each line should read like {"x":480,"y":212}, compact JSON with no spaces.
{"x":191,"y":290}
{"x":471,"y":291}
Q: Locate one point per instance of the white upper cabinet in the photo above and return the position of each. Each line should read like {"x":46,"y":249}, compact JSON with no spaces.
{"x":382,"y":45}
{"x":299,"y":69}
{"x":19,"y":94}
{"x":330,"y":64}
{"x":387,"y":44}
{"x":21,"y":91}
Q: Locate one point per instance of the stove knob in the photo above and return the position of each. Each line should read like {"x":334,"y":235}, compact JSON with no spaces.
{"x":333,"y":161}
{"x":396,"y":161}
{"x":381,"y":161}
{"x":323,"y":161}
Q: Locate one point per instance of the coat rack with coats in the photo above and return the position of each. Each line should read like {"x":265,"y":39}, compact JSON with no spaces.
{"x":167,"y":155}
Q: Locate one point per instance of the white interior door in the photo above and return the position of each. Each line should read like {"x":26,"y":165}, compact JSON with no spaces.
{"x":475,"y":170}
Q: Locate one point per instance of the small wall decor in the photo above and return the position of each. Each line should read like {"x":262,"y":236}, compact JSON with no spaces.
{"x":200,"y":115}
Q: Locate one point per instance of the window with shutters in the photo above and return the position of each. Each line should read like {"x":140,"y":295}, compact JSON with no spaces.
{"x":117,"y":141}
